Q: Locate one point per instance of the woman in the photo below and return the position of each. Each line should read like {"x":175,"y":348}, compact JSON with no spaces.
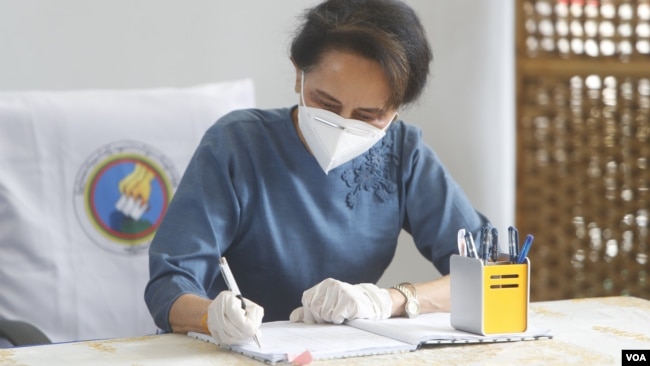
{"x":307,"y":202}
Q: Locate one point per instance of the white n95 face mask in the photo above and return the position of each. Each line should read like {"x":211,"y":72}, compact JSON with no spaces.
{"x":332,"y":139}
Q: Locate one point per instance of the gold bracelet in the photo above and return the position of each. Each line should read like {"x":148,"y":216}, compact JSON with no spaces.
{"x":412,"y":305}
{"x":412,"y":286}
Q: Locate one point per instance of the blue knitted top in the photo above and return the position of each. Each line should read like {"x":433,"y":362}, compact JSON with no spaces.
{"x":253,"y":193}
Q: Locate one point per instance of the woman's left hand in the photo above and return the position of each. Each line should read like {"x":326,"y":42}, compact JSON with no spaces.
{"x":333,"y":301}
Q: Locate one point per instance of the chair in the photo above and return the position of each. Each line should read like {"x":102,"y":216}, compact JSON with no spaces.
{"x":20,"y":333}
{"x":85,"y":178}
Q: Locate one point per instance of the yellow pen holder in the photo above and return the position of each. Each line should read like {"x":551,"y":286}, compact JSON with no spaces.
{"x":489,"y":299}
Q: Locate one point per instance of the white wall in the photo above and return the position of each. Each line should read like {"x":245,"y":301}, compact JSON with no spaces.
{"x":467,"y":112}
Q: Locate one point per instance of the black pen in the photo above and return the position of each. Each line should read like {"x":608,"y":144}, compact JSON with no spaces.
{"x":494,"y":250}
{"x":513,"y":244}
{"x":486,"y":241}
{"x":517,"y":243}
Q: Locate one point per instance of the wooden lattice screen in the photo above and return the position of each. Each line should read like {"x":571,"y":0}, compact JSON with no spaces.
{"x":583,"y":145}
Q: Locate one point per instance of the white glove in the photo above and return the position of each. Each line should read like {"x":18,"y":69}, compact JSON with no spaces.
{"x":333,"y":301}
{"x":229,"y":323}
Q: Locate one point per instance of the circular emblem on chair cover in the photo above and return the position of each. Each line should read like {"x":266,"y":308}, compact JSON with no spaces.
{"x":121,"y":194}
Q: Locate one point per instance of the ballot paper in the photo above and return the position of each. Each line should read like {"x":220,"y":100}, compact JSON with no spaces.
{"x":283,"y":340}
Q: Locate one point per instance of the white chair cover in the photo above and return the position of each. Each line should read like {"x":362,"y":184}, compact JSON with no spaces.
{"x":85,"y":178}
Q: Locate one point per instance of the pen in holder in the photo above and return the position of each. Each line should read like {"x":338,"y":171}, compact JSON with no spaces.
{"x":489,"y":299}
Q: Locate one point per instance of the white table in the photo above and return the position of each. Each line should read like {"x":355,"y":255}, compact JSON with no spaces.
{"x":585,"y":332}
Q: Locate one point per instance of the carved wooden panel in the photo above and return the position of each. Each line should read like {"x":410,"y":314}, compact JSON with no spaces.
{"x":583,"y":145}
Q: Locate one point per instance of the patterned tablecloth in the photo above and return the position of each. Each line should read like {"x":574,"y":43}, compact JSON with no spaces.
{"x":585,"y":331}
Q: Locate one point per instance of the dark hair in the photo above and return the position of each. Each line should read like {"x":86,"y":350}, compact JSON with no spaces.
{"x":387,"y":31}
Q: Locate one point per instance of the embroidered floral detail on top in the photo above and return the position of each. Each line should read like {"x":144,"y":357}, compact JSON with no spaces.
{"x":372,"y":174}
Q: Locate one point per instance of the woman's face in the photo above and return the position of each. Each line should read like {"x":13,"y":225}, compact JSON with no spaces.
{"x":349,"y":85}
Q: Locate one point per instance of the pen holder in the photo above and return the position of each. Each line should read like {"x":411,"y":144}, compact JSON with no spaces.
{"x":489,"y":299}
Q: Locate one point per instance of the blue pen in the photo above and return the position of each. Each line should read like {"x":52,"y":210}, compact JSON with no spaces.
{"x":494,"y":249}
{"x":524,"y":250}
{"x":513,"y":244}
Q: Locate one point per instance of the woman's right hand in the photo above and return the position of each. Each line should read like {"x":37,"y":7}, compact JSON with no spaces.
{"x":229,"y":323}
